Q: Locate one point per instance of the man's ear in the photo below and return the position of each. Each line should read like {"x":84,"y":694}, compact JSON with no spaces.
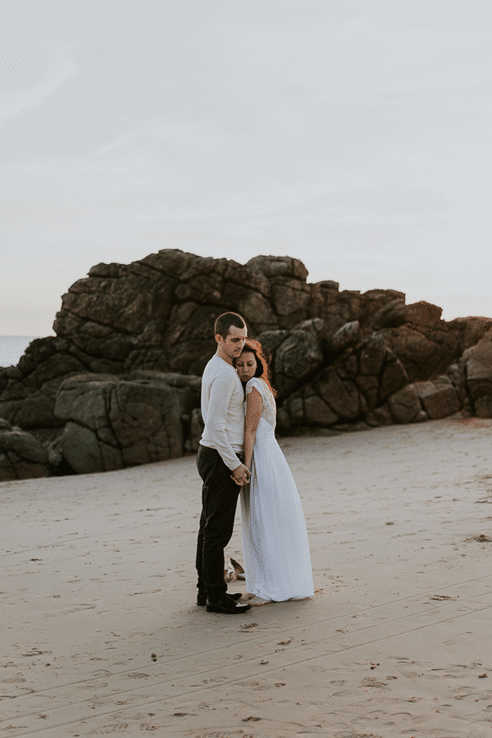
{"x":218,"y":338}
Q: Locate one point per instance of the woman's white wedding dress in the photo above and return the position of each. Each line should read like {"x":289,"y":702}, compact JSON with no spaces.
{"x":276,"y":548}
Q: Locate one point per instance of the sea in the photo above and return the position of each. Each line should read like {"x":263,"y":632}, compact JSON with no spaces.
{"x":12,"y":348}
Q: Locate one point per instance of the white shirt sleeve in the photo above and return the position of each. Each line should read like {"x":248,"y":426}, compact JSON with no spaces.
{"x":221,"y":391}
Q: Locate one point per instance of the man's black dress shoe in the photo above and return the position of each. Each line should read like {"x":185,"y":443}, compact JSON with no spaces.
{"x":226,"y":605}
{"x":201,"y":597}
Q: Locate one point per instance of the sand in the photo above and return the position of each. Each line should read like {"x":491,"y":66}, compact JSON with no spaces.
{"x":100,"y":634}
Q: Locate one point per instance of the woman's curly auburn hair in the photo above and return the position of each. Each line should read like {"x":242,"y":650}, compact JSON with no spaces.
{"x":262,"y":370}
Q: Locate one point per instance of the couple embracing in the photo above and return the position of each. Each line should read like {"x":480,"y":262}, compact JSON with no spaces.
{"x":238,"y":453}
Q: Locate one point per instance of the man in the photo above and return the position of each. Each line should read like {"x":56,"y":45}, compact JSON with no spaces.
{"x":219,"y":464}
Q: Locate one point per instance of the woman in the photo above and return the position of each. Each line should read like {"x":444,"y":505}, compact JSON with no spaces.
{"x":275,"y":542}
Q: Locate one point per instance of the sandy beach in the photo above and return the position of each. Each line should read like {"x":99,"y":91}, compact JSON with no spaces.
{"x":100,"y":634}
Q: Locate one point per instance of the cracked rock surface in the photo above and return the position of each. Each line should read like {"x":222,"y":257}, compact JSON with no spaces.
{"x":119,"y":383}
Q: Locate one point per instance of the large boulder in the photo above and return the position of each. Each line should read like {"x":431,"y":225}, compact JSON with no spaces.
{"x":115,"y":422}
{"x":336,"y":308}
{"x":158,"y":313}
{"x":27,"y":392}
{"x":478,"y":369}
{"x":360,"y":380}
{"x":294,"y":356}
{"x":391,"y":315}
{"x":423,"y":314}
{"x":405,"y":407}
{"x":423,"y":343}
{"x":348,"y":335}
{"x":290,"y":296}
{"x":34,"y":410}
{"x":22,"y":456}
{"x":439,"y":397}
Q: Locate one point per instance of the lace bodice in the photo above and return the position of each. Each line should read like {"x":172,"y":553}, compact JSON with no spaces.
{"x":269,"y":411}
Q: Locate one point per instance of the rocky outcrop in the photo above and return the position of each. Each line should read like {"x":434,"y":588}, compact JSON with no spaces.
{"x":158,"y":314}
{"x":439,"y":398}
{"x":477,"y":362}
{"x":294,"y":355}
{"x":404,"y":406}
{"x":22,"y":456}
{"x":358,"y":381}
{"x":427,"y":348}
{"x":119,"y":383}
{"x":113,"y":422}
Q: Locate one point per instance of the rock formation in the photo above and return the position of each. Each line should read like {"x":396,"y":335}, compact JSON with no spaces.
{"x":114,"y":421}
{"x":22,"y":456}
{"x":119,"y":384}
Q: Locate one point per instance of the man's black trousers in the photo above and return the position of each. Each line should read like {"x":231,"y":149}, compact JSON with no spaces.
{"x":219,"y":501}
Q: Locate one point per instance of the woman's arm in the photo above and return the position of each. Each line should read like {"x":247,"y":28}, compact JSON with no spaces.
{"x":254,"y":406}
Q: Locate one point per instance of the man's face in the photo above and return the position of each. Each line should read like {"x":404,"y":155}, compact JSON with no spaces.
{"x":232,"y":345}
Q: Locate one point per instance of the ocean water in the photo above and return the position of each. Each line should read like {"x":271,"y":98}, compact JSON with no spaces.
{"x":12,"y":348}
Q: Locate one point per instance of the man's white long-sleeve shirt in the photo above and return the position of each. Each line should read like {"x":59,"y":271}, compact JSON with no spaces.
{"x":223,"y":410}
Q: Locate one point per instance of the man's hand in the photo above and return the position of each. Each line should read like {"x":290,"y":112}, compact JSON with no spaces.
{"x":241,"y":475}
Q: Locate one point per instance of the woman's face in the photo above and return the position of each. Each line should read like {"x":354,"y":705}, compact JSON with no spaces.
{"x":246,"y":366}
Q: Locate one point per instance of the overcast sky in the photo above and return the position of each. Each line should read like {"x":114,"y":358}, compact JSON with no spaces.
{"x":352,"y":134}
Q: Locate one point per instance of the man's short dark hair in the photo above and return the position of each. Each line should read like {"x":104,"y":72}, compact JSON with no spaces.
{"x":225,"y":321}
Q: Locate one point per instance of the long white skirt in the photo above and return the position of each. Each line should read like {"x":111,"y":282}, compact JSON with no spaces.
{"x":275,"y":543}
